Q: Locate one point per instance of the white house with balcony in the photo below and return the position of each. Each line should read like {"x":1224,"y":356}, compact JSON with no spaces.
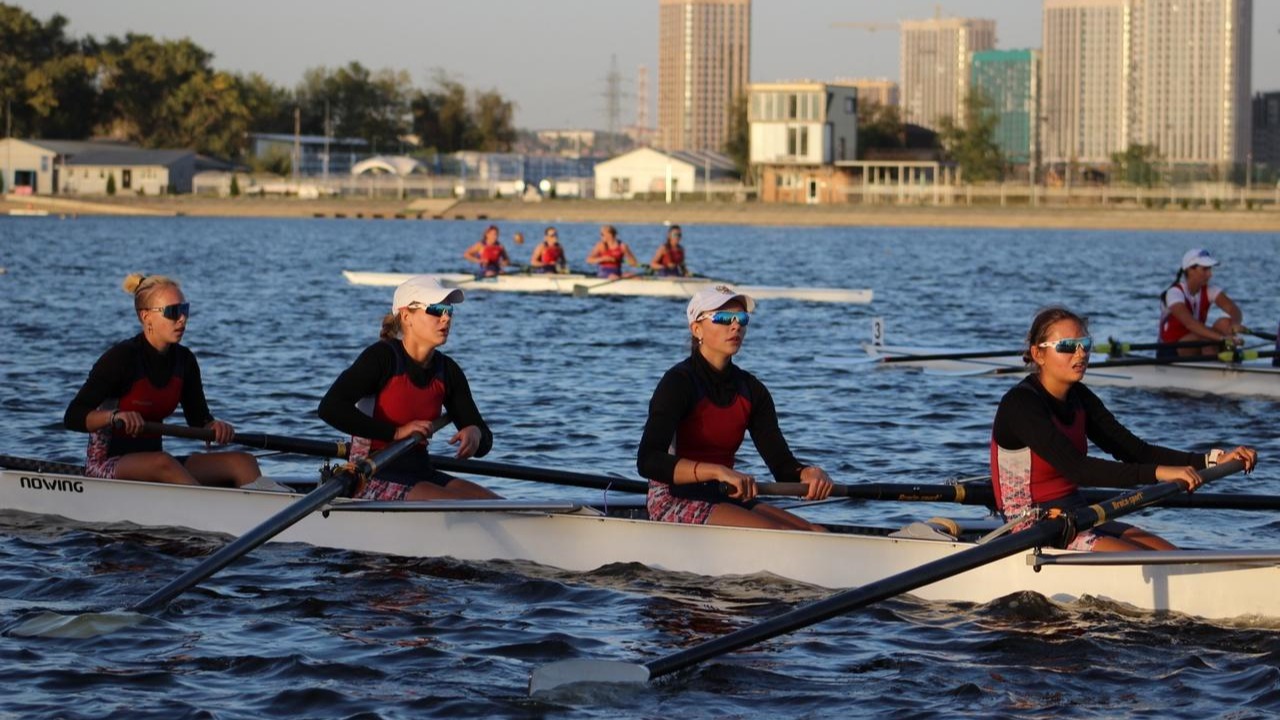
{"x":799,"y":132}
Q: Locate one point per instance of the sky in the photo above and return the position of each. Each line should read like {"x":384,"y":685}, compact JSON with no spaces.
{"x":552,"y":57}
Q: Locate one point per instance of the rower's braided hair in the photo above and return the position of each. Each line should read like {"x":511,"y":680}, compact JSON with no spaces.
{"x":1045,"y":318}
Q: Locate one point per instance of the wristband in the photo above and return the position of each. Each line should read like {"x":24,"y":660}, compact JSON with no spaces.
{"x":1211,"y":457}
{"x":111,"y":422}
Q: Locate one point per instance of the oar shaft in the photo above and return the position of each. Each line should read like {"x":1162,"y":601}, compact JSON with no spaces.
{"x":963,"y":493}
{"x":1041,"y":533}
{"x":341,"y":483}
{"x":967,"y":355}
{"x":533,"y":474}
{"x":260,"y":441}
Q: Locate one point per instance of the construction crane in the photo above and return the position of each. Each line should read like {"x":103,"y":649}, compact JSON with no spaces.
{"x":868,"y":26}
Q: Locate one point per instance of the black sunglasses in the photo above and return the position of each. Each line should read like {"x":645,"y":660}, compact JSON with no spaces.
{"x":174,"y":311}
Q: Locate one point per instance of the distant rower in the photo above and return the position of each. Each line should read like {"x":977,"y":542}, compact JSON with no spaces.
{"x":488,"y":253}
{"x":548,"y":256}
{"x":1184,"y":307}
{"x":669,"y":259}
{"x":609,"y":254}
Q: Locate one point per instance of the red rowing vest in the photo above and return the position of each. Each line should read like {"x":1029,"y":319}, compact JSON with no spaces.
{"x":400,"y":400}
{"x":1021,"y":477}
{"x":153,"y":403}
{"x":613,"y":256}
{"x":490,"y":254}
{"x":674,"y":256}
{"x":710,"y":433}
{"x":1171,"y":328}
{"x":550,"y":254}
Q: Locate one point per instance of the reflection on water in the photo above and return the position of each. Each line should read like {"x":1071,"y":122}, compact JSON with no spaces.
{"x":565,"y":382}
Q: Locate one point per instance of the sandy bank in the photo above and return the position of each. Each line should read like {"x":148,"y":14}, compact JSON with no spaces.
{"x":691,"y":212}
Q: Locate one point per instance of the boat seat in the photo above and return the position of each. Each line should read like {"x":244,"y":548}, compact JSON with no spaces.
{"x":947,"y":529}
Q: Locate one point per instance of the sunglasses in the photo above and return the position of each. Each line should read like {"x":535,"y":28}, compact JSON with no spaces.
{"x":174,"y":311}
{"x":434,"y":309}
{"x":726,"y":317}
{"x":1068,"y":346}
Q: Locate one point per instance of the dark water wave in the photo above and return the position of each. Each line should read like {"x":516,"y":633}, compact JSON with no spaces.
{"x":307,"y":632}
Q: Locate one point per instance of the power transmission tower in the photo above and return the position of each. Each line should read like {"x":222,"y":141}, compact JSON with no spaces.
{"x":613,"y":101}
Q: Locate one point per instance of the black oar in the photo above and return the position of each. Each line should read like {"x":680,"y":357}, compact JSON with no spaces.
{"x":1041,"y":533}
{"x":279,"y":443}
{"x":1114,"y":347}
{"x":1106,"y":347}
{"x":1263,"y":335}
{"x":342,"y":482}
{"x":1227,"y":358}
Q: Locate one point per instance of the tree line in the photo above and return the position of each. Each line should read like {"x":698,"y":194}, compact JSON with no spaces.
{"x":167,"y":94}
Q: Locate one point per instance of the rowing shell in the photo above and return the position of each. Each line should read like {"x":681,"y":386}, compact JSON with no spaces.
{"x":1220,"y":585}
{"x":1211,"y":377}
{"x":643,"y":286}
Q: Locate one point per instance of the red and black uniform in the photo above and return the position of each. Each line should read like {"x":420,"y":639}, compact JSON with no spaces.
{"x":135,"y":377}
{"x":551,"y":257}
{"x":1171,"y":328}
{"x":610,"y":260}
{"x":701,"y":414}
{"x":671,"y":261}
{"x":1039,"y":449}
{"x":385,"y":389}
{"x":491,"y":257}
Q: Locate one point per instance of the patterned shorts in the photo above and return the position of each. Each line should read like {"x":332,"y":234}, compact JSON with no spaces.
{"x":377,"y":489}
{"x":665,"y":507}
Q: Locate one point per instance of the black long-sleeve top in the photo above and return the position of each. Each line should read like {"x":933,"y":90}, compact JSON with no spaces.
{"x":1024,"y":419}
{"x":117,"y":370}
{"x":373,"y":369}
{"x":676,"y":396}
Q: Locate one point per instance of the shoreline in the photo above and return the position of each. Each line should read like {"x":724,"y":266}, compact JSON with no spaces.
{"x":1083,"y":217}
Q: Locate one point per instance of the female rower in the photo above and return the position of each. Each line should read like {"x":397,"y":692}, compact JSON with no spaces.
{"x":144,"y":379}
{"x":398,"y":386}
{"x":1039,"y":454}
{"x":669,"y":259}
{"x":1184,"y":308}
{"x":548,"y":256}
{"x":609,"y":253}
{"x":698,"y":415}
{"x":488,"y":253}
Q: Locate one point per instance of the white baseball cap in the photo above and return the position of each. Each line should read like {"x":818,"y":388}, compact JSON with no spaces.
{"x":714,"y":297}
{"x":426,"y":290}
{"x":1198,"y":257}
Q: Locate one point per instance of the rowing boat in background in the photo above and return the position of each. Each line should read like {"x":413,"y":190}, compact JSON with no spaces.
{"x":1211,"y":377}
{"x":643,"y":286}
{"x":580,"y":537}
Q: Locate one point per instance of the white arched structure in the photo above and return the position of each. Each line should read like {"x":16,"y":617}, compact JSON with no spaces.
{"x":398,"y":165}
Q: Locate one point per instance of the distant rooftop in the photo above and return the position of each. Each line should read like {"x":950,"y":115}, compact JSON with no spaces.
{"x":129,"y":156}
{"x":308,"y":139}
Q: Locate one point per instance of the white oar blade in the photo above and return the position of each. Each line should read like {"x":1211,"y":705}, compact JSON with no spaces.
{"x":78,"y":627}
{"x":567,"y":672}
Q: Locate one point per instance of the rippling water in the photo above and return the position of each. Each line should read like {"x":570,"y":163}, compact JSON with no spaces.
{"x":564,"y":382}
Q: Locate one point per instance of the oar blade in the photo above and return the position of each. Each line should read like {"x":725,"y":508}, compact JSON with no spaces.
{"x":581,"y":291}
{"x":77,"y":627}
{"x":569,"y":672}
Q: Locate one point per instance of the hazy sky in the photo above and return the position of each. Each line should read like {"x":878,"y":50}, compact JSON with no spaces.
{"x":552,"y":56}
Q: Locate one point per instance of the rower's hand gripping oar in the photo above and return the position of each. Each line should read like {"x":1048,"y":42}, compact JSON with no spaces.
{"x":342,"y":482}
{"x":1044,"y":532}
{"x":278,"y":443}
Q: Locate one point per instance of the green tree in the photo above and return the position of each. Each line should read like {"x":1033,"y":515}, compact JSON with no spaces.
{"x":441,"y":117}
{"x":1137,"y":164}
{"x":235,"y":186}
{"x":270,"y":106}
{"x":494,"y":126}
{"x":47,"y":77}
{"x":880,"y":127}
{"x":971,"y":143}
{"x":362,"y":104}
{"x":111,"y":184}
{"x":738,"y":143}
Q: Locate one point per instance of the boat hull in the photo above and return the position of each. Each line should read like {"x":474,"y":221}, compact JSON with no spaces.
{"x":1210,"y":378}
{"x":584,"y":540}
{"x":641,"y":286}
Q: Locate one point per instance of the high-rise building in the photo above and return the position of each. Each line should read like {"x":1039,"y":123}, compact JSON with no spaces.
{"x":1266,"y":130}
{"x":1010,"y":81}
{"x":873,"y":91}
{"x":704,"y":65}
{"x":935,"y":66}
{"x":1174,"y":74}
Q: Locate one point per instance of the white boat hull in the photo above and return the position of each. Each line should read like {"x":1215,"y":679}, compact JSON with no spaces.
{"x":1211,"y":378}
{"x":641,"y":286}
{"x":585,"y":540}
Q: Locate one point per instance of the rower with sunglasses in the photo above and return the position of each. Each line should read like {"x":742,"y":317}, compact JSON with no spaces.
{"x":398,"y":386}
{"x":548,"y":256}
{"x":1185,"y":305}
{"x":144,"y":379}
{"x":668,"y":261}
{"x":699,"y":414}
{"x":1039,"y":441}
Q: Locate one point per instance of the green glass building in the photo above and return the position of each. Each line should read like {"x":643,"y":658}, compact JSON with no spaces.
{"x":1010,"y":79}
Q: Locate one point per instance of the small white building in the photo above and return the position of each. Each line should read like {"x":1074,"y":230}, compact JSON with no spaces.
{"x":146,"y":172}
{"x":800,"y":132}
{"x":647,"y":172}
{"x":39,"y":167}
